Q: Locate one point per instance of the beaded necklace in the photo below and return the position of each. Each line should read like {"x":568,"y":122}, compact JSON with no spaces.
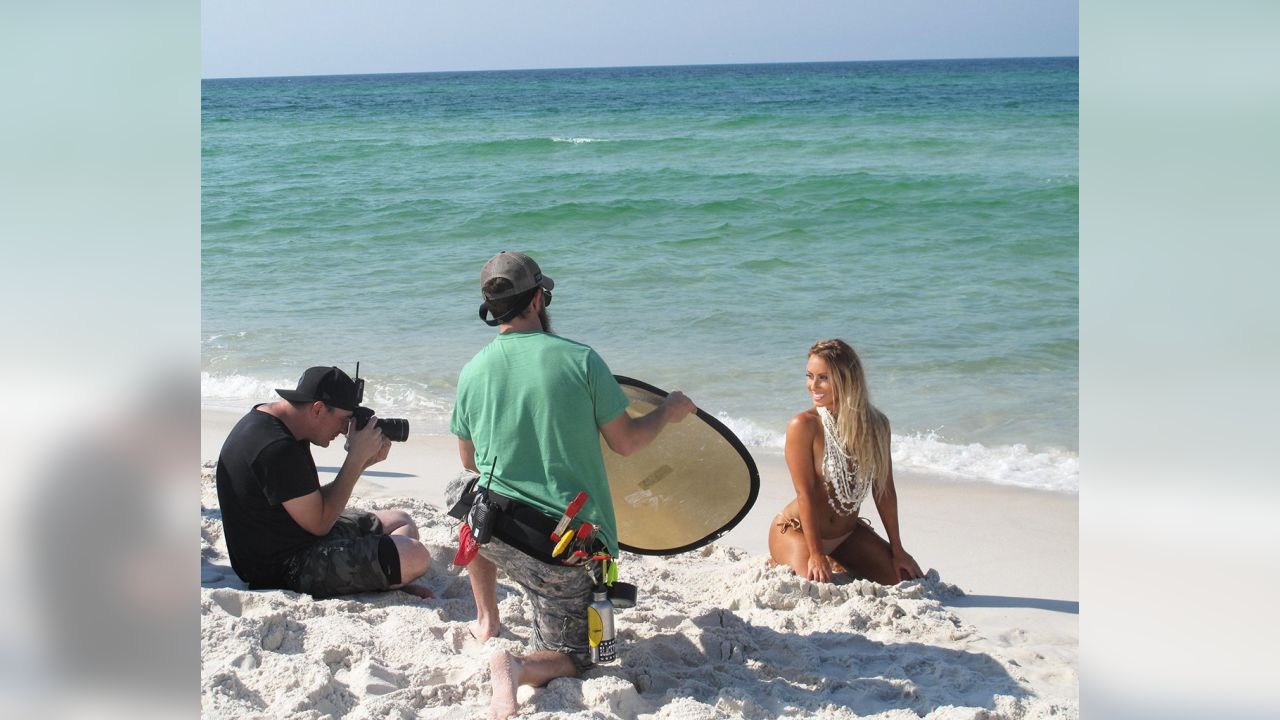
{"x":847,"y":488}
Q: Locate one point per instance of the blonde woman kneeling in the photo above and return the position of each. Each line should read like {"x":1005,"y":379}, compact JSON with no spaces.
{"x":836,"y":452}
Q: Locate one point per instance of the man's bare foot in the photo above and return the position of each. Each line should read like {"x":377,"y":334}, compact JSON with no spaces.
{"x":504,"y":677}
{"x":421,"y":591}
{"x":483,"y":632}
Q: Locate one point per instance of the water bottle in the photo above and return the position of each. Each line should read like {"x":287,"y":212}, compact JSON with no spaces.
{"x":600,"y":631}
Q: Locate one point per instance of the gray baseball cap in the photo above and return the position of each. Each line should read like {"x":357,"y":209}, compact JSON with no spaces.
{"x":518,"y":268}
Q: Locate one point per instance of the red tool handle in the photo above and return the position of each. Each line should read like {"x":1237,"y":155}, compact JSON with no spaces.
{"x":577,"y":504}
{"x":569,"y":512}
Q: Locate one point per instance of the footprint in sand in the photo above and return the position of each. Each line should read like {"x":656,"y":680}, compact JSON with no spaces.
{"x":336,"y":654}
{"x":275,"y":630}
{"x":372,"y":677}
{"x":460,"y":638}
{"x":245,"y":661}
{"x":229,"y":601}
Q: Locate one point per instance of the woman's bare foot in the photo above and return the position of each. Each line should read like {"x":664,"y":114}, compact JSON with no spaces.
{"x":504,"y":678}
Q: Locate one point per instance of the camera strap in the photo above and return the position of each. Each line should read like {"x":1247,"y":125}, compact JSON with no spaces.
{"x":519,"y":306}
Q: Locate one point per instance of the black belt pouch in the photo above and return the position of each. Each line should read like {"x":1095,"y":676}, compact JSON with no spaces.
{"x":518,"y":524}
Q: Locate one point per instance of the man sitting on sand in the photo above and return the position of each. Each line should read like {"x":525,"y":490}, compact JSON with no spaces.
{"x":283,"y":529}
{"x":530,"y":410}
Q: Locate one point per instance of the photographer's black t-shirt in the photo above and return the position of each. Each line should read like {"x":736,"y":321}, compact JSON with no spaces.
{"x":261,"y":466}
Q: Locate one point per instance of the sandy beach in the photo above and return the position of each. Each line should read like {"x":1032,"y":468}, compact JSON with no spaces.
{"x":992,"y":631}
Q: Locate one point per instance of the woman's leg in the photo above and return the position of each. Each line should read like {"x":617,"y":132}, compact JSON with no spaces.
{"x":788,"y":548}
{"x":864,"y":554}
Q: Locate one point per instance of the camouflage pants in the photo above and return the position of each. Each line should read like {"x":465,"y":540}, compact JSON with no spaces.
{"x":559,"y":595}
{"x":354,"y":557}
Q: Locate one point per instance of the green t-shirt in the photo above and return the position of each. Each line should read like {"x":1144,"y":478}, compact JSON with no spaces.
{"x":536,"y":401}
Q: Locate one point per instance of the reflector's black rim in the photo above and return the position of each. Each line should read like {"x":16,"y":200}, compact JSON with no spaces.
{"x":727,"y":434}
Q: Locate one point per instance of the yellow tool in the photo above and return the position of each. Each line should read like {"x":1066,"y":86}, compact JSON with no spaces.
{"x":563,"y":544}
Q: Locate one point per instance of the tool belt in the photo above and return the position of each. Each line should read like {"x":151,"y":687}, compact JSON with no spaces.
{"x":518,"y":524}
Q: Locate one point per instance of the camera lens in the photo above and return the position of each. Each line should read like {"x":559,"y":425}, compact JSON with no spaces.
{"x":394,"y":429}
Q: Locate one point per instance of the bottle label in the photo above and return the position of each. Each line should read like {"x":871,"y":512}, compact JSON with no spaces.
{"x":607,"y":652}
{"x":595,"y":627}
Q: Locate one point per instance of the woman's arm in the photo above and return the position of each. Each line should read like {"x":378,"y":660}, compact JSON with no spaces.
{"x":801,"y":433}
{"x":887,"y":505}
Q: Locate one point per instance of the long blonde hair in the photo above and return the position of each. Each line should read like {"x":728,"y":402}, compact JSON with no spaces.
{"x":863,"y":430}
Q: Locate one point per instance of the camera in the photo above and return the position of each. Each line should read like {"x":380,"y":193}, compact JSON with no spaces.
{"x":394,"y":429}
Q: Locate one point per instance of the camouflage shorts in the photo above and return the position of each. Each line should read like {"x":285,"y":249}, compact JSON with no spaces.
{"x":354,"y":557}
{"x":559,"y":595}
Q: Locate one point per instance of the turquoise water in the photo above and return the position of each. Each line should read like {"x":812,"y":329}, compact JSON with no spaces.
{"x":704,"y":225}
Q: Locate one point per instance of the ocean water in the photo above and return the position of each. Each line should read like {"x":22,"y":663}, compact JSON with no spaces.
{"x":704,"y":225}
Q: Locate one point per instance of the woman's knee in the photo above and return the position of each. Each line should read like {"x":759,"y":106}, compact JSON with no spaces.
{"x":789,"y":551}
{"x":866,"y":555}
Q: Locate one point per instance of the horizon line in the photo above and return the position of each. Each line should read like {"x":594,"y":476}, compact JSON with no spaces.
{"x":633,"y":67}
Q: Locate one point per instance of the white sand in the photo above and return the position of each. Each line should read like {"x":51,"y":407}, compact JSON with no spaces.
{"x":716,"y":633}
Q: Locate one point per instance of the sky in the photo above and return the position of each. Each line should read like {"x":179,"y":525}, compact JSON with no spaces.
{"x":252,"y":38}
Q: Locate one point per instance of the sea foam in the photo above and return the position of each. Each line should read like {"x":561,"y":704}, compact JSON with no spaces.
{"x":429,"y":408}
{"x":1047,"y":469}
{"x":238,"y":391}
{"x":402,"y":399}
{"x":752,"y":435}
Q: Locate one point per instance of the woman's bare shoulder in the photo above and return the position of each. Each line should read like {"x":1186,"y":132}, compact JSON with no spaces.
{"x":806,"y":422}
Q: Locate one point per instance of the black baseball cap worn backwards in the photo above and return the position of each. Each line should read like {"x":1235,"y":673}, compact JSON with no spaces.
{"x":329,"y":385}
{"x":523,"y":274}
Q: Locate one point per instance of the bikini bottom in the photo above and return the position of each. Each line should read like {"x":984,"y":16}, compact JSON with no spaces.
{"x":828,"y":544}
